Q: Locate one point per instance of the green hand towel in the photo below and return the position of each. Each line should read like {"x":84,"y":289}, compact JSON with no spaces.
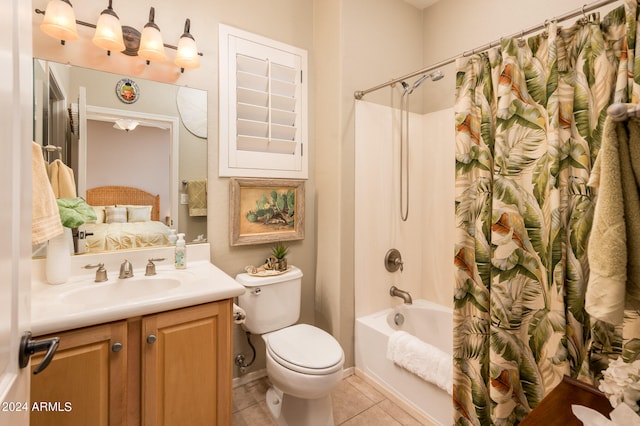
{"x":75,"y":212}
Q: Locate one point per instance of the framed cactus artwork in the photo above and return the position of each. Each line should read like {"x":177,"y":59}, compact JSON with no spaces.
{"x":265,"y":210}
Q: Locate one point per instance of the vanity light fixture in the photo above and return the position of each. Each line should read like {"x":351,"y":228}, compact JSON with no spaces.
{"x":125,"y":124}
{"x":187,"y":56}
{"x":151,"y":45}
{"x":60,"y":21}
{"x":108,"y":35}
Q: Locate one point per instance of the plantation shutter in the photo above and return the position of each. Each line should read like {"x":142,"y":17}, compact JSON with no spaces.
{"x":263,"y":107}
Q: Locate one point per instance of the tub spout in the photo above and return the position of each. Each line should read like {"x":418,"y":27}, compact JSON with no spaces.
{"x":404,"y":295}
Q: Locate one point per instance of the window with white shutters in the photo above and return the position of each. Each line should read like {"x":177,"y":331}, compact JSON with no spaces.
{"x":263,"y":107}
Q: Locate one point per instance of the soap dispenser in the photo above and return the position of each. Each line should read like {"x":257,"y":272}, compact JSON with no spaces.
{"x":181,"y":252}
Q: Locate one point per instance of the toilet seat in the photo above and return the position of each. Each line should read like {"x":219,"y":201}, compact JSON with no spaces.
{"x":305,"y":349}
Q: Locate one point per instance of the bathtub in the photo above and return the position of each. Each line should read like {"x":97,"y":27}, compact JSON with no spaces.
{"x":428,"y":321}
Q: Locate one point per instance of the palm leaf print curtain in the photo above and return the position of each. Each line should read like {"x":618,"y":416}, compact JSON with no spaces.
{"x":529,"y":119}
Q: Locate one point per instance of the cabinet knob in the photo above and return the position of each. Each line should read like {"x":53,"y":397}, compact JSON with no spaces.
{"x":151,"y":338}
{"x":116,"y":347}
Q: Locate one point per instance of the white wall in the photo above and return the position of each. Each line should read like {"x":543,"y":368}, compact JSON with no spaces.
{"x":116,"y":157}
{"x":452,"y":27}
{"x":426,"y":239}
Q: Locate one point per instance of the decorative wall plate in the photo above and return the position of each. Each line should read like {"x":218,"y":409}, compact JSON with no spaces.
{"x":127,"y":91}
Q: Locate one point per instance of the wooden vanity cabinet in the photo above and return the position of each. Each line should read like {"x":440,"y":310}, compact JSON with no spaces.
{"x":174,"y":368}
{"x":85,"y":382}
{"x":186,"y":366}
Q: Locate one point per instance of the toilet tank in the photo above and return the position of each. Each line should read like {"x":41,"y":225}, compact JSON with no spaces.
{"x":271,"y":302}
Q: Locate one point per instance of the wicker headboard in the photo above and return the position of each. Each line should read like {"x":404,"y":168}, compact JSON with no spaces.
{"x":112,"y":195}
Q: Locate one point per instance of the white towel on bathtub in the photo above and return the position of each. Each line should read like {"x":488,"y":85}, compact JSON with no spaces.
{"x":422,"y":359}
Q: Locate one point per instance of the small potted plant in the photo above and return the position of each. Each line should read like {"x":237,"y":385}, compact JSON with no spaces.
{"x":279,"y":251}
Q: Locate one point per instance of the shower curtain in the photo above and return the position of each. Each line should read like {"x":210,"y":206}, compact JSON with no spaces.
{"x":529,"y":119}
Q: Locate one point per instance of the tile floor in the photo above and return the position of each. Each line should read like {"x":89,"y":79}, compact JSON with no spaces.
{"x":355,"y":403}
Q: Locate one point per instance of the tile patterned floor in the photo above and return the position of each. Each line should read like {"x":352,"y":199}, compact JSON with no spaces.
{"x":354,"y":401}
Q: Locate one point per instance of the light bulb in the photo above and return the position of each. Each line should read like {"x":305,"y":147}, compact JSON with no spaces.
{"x":59,"y":21}
{"x":108,"y":35}
{"x":151,"y":44}
{"x":125,"y":124}
{"x":187,"y":56}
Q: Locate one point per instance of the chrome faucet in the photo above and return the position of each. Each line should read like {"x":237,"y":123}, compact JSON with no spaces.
{"x":404,"y":295}
{"x":126,"y":270}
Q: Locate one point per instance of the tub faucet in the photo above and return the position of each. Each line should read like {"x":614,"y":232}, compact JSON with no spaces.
{"x":404,"y":295}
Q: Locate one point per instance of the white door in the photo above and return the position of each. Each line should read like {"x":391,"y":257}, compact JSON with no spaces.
{"x":15,"y":201}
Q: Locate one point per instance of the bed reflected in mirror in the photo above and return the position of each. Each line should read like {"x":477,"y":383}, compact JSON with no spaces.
{"x":126,"y":218}
{"x":139,"y":159}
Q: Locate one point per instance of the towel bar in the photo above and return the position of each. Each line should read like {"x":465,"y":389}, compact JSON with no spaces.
{"x":621,"y":112}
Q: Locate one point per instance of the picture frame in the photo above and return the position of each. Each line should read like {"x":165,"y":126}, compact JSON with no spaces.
{"x":265,"y":210}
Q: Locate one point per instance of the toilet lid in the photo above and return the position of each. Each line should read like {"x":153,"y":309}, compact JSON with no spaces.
{"x":305,"y":348}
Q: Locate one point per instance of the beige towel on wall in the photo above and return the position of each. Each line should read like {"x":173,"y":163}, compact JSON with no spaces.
{"x":62,"y":180}
{"x":46,"y":222}
{"x":614,"y":243}
{"x":197,"y":193}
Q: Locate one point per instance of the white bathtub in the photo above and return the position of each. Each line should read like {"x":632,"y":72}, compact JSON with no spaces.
{"x":428,"y":321}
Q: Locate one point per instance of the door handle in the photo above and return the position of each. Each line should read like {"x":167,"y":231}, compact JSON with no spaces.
{"x":29,"y":346}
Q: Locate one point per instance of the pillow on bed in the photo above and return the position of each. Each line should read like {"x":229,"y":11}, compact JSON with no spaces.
{"x":139,"y":213}
{"x":136,"y":205}
{"x":99,"y":211}
{"x":115,"y":214}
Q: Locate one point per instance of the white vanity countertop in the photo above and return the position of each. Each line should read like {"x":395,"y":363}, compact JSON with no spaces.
{"x":56,"y":308}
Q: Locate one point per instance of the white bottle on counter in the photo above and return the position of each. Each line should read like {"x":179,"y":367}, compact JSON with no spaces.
{"x":181,"y":253}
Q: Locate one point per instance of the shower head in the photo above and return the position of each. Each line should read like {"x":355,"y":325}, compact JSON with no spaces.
{"x":418,"y":82}
{"x":409,"y":89}
{"x":434,"y":76}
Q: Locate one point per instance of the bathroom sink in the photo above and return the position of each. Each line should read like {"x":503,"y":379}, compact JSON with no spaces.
{"x":124,"y":289}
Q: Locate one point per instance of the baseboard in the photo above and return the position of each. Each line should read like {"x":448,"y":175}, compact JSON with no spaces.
{"x":421,"y":417}
{"x":349,"y":371}
{"x":249,"y":377}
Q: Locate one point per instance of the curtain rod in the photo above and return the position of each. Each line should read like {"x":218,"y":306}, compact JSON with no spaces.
{"x":577,"y":12}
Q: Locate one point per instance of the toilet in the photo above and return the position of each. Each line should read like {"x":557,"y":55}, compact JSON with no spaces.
{"x":304,"y":363}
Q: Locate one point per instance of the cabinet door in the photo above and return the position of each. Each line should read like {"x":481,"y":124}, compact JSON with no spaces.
{"x":186,"y":366}
{"x":85,"y":382}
